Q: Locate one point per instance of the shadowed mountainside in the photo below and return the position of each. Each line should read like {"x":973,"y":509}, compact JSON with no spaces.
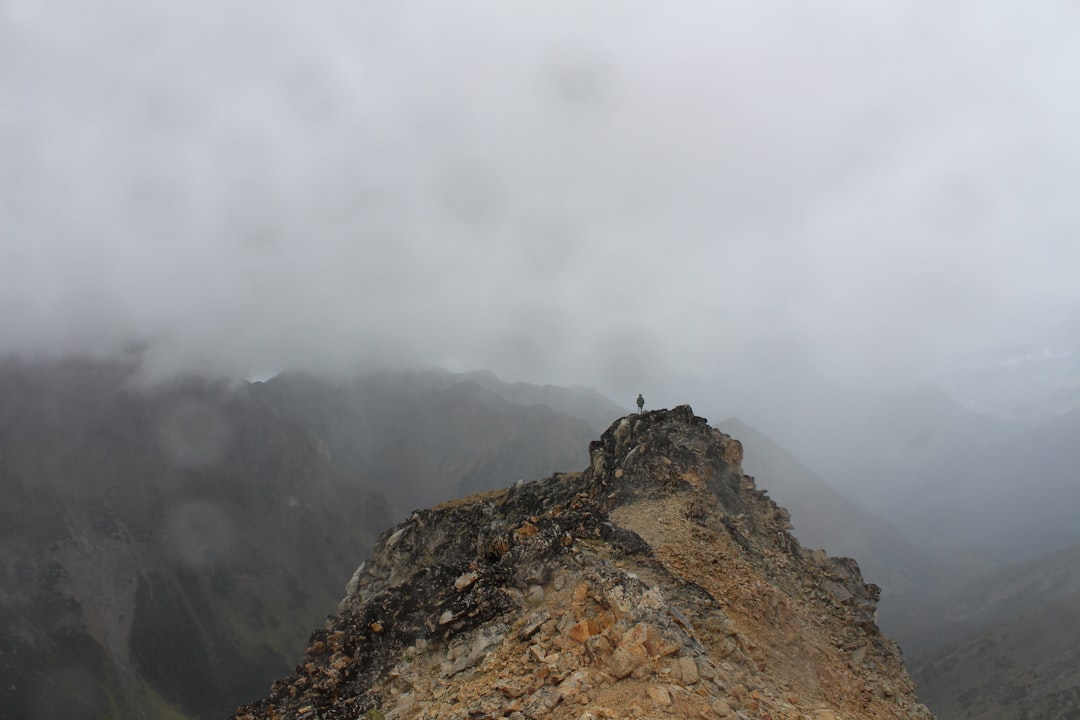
{"x":163,"y":550}
{"x":158,"y":545}
{"x":1025,"y":668}
{"x":1005,"y":645}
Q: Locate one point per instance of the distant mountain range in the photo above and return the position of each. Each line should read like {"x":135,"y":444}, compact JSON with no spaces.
{"x":954,"y":480}
{"x":164,"y":551}
{"x":427,"y":436}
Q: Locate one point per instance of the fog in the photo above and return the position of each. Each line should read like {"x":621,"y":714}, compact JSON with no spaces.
{"x":831,"y":220}
{"x":737,"y":207}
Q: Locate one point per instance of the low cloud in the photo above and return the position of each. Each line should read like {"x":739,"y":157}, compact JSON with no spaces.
{"x":627,"y":195}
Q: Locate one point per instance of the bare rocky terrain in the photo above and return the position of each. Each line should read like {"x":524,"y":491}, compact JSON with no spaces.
{"x":659,"y":582}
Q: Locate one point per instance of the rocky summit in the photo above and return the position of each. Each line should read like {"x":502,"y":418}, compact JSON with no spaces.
{"x":657,"y":583}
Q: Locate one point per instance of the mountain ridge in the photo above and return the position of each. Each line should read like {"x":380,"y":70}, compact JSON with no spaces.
{"x":658,"y":582}
{"x":823,"y":517}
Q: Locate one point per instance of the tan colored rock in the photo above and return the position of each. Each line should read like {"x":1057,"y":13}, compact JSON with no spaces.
{"x":574,"y":685}
{"x":622,"y":662}
{"x":534,"y":595}
{"x":584,"y":630}
{"x":659,"y":695}
{"x":721,"y":708}
{"x":858,"y":655}
{"x":541,"y":703}
{"x":648,"y":641}
{"x":687,"y":670}
{"x":511,"y":690}
{"x":465,"y":580}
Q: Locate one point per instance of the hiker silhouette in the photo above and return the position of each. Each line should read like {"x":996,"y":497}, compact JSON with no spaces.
{"x":640,"y":403}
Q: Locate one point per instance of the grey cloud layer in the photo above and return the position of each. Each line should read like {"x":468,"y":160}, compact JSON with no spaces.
{"x":594,"y":195}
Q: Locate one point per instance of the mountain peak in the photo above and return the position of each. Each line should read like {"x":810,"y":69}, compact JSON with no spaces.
{"x":657,"y":582}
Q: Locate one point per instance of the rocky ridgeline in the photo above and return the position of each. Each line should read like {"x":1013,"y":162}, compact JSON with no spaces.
{"x":658,"y":583}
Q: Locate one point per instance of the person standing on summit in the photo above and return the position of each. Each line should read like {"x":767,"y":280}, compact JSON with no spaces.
{"x":640,"y":403}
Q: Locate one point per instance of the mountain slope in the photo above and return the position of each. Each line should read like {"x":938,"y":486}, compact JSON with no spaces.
{"x":993,"y":597}
{"x":1027,"y":668}
{"x":659,"y":582}
{"x":136,"y":536}
{"x":824,"y":518}
{"x":164,"y":550}
{"x":1006,"y":645}
{"x":985,"y":639}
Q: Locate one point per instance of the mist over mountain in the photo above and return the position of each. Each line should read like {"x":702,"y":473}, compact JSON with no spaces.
{"x":624,"y":197}
{"x":852,"y":226}
{"x":957,"y":480}
{"x":166,"y":549}
{"x":139,"y":517}
{"x":1029,"y":384}
{"x":157,"y":544}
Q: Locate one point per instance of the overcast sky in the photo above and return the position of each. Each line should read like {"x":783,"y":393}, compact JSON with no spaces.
{"x":627,"y":195}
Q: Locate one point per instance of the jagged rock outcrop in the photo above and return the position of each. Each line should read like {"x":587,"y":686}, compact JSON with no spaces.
{"x":659,"y":582}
